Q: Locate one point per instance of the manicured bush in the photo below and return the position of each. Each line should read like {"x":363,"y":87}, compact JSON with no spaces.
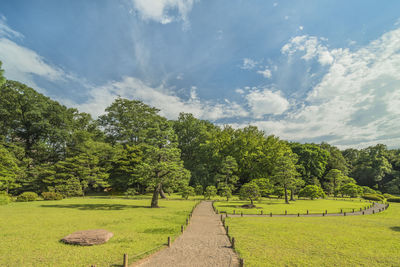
{"x":312,"y":192}
{"x":51,"y":196}
{"x":249,"y":191}
{"x":187,"y":191}
{"x":4,"y":198}
{"x":374,"y":197}
{"x":351,"y":190}
{"x":27,"y":196}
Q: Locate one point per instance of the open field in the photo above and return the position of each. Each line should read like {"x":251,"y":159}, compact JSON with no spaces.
{"x":372,"y":240}
{"x":278,"y":206}
{"x":30,"y":231}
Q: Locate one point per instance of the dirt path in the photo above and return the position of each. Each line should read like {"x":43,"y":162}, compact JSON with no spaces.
{"x":376,"y":208}
{"x":203,"y":243}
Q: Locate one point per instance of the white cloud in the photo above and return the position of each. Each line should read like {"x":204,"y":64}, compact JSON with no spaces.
{"x":301,"y":28}
{"x":158,"y":10}
{"x":311,"y":46}
{"x":265,"y":102}
{"x":161,"y":98}
{"x":21,"y":63}
{"x":6,"y":31}
{"x":266,"y":73}
{"x":356,"y":103}
{"x":248,"y":64}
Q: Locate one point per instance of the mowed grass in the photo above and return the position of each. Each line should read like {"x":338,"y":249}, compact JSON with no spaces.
{"x":370,"y":240}
{"x":278,"y":206}
{"x":30,"y":232}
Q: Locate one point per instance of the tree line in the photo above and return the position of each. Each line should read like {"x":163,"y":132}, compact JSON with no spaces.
{"x":47,"y":147}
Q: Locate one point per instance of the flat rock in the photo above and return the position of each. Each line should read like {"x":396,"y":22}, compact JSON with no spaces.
{"x":88,"y":237}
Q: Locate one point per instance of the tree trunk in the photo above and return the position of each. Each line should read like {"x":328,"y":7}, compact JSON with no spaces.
{"x":162,"y":194}
{"x":291,"y":195}
{"x":286,"y":196}
{"x":154,"y":200}
{"x":251,"y":202}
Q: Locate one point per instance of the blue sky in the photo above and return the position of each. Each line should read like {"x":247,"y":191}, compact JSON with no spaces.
{"x":307,"y":71}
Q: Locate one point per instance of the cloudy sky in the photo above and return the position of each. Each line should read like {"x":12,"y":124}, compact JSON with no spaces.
{"x":304,"y":70}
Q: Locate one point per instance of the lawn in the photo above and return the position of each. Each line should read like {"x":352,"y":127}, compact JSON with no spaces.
{"x":30,"y":231}
{"x":372,"y":240}
{"x":278,"y":206}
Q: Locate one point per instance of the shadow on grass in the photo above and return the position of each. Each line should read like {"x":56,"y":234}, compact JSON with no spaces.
{"x":95,"y":206}
{"x":395,"y":228}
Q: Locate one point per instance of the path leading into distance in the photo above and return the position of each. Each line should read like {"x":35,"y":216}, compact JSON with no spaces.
{"x":203,"y":243}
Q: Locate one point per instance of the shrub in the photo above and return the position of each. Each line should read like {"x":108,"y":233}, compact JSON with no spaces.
{"x":374,"y":197}
{"x":210,"y":192}
{"x":386,"y":195}
{"x":368,"y":190}
{"x":312,"y":191}
{"x":249,"y":191}
{"x":351,"y":190}
{"x":198,"y":190}
{"x":51,"y":196}
{"x":187,"y":191}
{"x":4,"y":198}
{"x":27,"y":196}
{"x":130,"y":192}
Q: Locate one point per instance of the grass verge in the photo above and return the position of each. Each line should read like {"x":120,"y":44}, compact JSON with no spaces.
{"x":30,"y":231}
{"x":372,"y":240}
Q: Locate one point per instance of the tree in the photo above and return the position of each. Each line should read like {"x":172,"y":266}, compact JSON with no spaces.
{"x":295,"y":187}
{"x":249,"y":191}
{"x":131,"y":122}
{"x":226,"y":178}
{"x":333,"y":180}
{"x":351,"y":190}
{"x":225,"y":190}
{"x":285,"y":170}
{"x":125,"y":171}
{"x":312,"y":161}
{"x":9,"y":170}
{"x":187,"y":191}
{"x":210,"y":192}
{"x":264,"y":185}
{"x":198,"y":190}
{"x":312,"y":192}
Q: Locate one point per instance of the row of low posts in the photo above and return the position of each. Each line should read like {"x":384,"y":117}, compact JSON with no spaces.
{"x":232,"y":239}
{"x":308,"y":213}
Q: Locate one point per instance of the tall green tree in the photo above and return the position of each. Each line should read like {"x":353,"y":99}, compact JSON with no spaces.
{"x":285,"y":172}
{"x":9,"y":170}
{"x":312,"y":161}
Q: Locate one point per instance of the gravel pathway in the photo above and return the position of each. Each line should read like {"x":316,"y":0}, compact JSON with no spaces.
{"x":203,"y":243}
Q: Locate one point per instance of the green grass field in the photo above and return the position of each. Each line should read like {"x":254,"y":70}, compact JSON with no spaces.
{"x":372,"y":240}
{"x":30,"y":231}
{"x":278,"y":206}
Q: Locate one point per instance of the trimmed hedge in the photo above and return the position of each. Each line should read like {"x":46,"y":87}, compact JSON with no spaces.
{"x":374,"y":197}
{"x":27,"y":196}
{"x":52,"y":196}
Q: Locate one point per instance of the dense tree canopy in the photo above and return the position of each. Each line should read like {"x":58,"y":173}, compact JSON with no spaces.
{"x":45,"y":146}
